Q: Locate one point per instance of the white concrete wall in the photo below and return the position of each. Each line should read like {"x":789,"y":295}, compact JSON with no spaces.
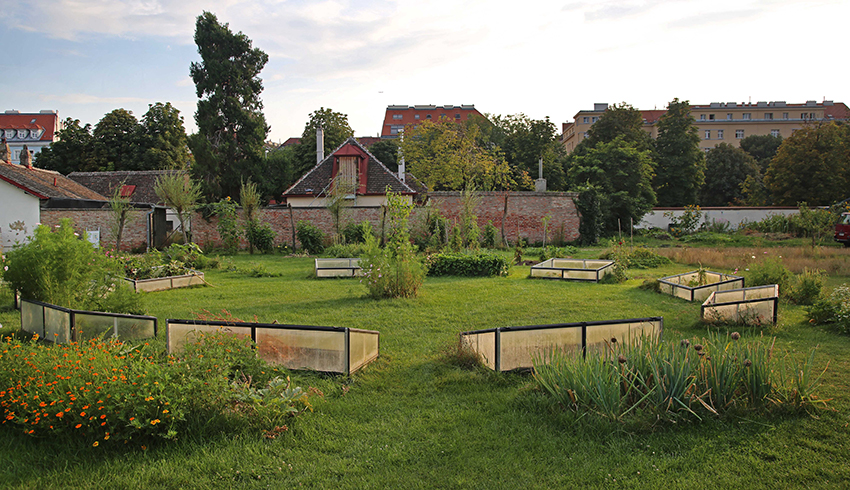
{"x":735,"y":216}
{"x":365,"y":201}
{"x":19,"y":213}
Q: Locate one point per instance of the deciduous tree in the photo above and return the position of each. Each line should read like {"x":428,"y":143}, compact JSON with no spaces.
{"x":525,"y":141}
{"x":762,"y":147}
{"x":680,"y":170}
{"x":229,"y":114}
{"x":117,"y":139}
{"x":726,"y":169}
{"x":74,"y":151}
{"x":336,"y":130}
{"x":164,"y":141}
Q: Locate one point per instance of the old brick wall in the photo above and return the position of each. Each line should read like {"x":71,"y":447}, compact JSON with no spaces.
{"x":135,"y":235}
{"x":523,"y":218}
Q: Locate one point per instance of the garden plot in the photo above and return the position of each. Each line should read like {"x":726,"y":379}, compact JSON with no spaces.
{"x":698,"y":285}
{"x":338,"y":268}
{"x":573,"y":269}
{"x":194,"y":278}
{"x":509,"y":348}
{"x":327,"y":349}
{"x":755,"y":305}
{"x":64,"y":325}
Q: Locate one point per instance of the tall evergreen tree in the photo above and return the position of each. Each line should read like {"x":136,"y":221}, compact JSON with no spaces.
{"x":680,"y":170}
{"x":229,"y":114}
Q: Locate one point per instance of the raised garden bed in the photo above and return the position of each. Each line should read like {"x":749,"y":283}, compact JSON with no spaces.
{"x":573,"y":269}
{"x":509,"y":348}
{"x":63,"y":325}
{"x":327,"y":349}
{"x":697,"y":286}
{"x":338,"y":268}
{"x":194,"y":278}
{"x":755,"y":305}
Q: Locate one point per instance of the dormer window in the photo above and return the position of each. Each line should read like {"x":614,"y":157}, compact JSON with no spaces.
{"x":349,"y":169}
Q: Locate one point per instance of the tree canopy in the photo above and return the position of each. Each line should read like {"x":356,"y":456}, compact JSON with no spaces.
{"x":386,"y":151}
{"x":229,"y":114}
{"x":622,"y":177}
{"x":680,"y":170}
{"x":620,"y":120}
{"x":726,"y":168}
{"x":812,"y":165}
{"x":446,"y":155}
{"x":762,"y":147}
{"x":73,"y":152}
{"x":336,"y":130}
{"x":525,"y":141}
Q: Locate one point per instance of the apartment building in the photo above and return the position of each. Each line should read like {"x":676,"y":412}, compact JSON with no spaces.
{"x":399,"y":116}
{"x":36,"y":130}
{"x":721,"y":122}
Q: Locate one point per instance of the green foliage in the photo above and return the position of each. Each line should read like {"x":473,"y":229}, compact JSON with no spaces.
{"x":589,"y":205}
{"x":229,"y":115}
{"x":58,"y":267}
{"x":525,"y":141}
{"x":771,"y":270}
{"x":344,"y":250}
{"x":552,"y":252}
{"x":386,"y":151}
{"x":179,"y":193}
{"x":261,"y":236}
{"x":687,"y":223}
{"x":115,"y":140}
{"x":278,"y":171}
{"x":619,"y":121}
{"x":228,"y":225}
{"x":395,"y":271}
{"x":119,"y":214}
{"x":726,"y":167}
{"x":72,"y":152}
{"x":833,"y":309}
{"x":706,"y":237}
{"x":807,"y":287}
{"x":357,"y":232}
{"x":474,"y":265}
{"x":811,"y":166}
{"x":336,"y":130}
{"x":762,"y":147}
{"x":311,"y":237}
{"x":258,"y":233}
{"x":164,"y":140}
{"x":446,"y":155}
{"x":676,"y":380}
{"x":681,"y":164}
{"x":622,"y":175}
{"x":491,"y":235}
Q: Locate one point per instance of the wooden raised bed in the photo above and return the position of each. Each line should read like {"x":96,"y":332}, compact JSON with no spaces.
{"x":194,"y":278}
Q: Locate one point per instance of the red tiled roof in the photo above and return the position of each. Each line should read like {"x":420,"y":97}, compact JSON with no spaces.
{"x":46,"y":184}
{"x":837,"y":111}
{"x":142,"y":182}
{"x":49,"y":122}
{"x":652,"y":116}
{"x":290,"y":142}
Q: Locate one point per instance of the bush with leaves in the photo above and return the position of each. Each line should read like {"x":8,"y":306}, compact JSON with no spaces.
{"x":491,"y":235}
{"x":834,"y":309}
{"x":357,"y":232}
{"x":261,"y":236}
{"x":458,"y":264}
{"x":58,"y":267}
{"x":311,"y":237}
{"x":228,"y":225}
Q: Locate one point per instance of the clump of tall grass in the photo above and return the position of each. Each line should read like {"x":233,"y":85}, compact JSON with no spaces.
{"x":796,"y":259}
{"x":691,"y":378}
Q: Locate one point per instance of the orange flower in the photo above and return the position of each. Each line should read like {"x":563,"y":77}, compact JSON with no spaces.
{"x":78,"y":426}
{"x":132,"y":419}
{"x":60,"y":414}
{"x":103,"y":416}
{"x":96,"y":444}
{"x":155,"y":421}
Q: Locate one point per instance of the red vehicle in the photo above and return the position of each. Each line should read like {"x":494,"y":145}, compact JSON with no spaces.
{"x":842,"y":230}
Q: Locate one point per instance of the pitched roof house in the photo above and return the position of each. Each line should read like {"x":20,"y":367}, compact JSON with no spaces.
{"x":137,"y":185}
{"x":24,"y":191}
{"x":353,"y":162}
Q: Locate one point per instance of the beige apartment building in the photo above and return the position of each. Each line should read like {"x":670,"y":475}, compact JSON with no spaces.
{"x":721,"y":122}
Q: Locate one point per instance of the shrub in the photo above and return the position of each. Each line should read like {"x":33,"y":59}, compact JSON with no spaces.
{"x":478,"y":264}
{"x":491,"y":235}
{"x":261,"y":236}
{"x":310,"y":236}
{"x":58,"y":267}
{"x":395,"y":271}
{"x":807,"y":287}
{"x":770,"y":271}
{"x":706,"y":237}
{"x":357,"y":232}
{"x":228,"y":227}
{"x":550,"y":252}
{"x":687,"y":223}
{"x":633,"y":257}
{"x":834,"y":309}
{"x":657,"y":233}
{"x":345,"y":250}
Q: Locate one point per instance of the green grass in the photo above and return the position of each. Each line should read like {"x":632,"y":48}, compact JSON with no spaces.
{"x":413,"y":420}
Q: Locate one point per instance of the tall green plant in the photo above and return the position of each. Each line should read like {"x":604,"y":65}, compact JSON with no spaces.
{"x":228,"y":226}
{"x":181,"y":194}
{"x":119,"y":214}
{"x":250,"y":206}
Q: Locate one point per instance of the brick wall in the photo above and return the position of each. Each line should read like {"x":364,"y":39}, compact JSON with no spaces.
{"x":135,"y":233}
{"x":523,"y":218}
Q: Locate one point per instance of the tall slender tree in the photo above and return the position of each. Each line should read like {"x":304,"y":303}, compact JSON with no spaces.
{"x":229,"y":114}
{"x":680,"y":170}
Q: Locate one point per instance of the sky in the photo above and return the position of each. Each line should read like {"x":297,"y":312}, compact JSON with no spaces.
{"x":552,"y":59}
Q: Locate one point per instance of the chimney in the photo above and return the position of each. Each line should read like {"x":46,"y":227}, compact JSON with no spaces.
{"x":26,"y":158}
{"x":401,"y":167}
{"x":320,"y":144}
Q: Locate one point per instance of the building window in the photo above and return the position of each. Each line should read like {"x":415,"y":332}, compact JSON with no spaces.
{"x":396,"y":116}
{"x":768,"y":116}
{"x":708,"y":134}
{"x":784,"y":115}
{"x":702,"y":117}
{"x":416,"y":116}
{"x":428,"y":116}
{"x":746,"y":116}
{"x":585,"y":120}
{"x":720,"y":134}
{"x":594,"y":119}
{"x":739,"y":134}
{"x":711,"y":117}
{"x":774,"y":133}
{"x":728,"y":116}
{"x":457,"y":116}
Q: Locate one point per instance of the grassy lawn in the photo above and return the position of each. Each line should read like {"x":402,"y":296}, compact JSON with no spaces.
{"x":413,"y":420}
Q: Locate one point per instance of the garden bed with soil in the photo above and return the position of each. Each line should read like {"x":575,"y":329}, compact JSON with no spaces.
{"x":573,"y":269}
{"x":752,"y":306}
{"x":698,"y":285}
{"x":193,"y":278}
{"x":64,"y":325}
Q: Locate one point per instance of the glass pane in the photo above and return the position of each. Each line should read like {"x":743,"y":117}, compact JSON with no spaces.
{"x":93,"y":326}
{"x":518,"y":347}
{"x":57,"y":325}
{"x":320,"y":350}
{"x":135,"y":328}
{"x":485,"y":345}
{"x":178,"y":334}
{"x":32,"y":318}
{"x":545,"y":273}
{"x":625,"y":333}
{"x":363,"y":348}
